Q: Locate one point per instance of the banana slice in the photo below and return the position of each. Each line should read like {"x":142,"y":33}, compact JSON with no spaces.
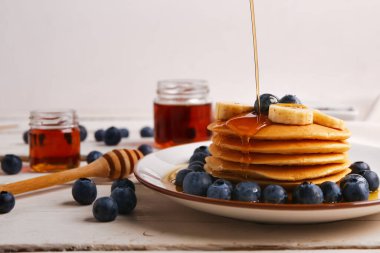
{"x":323,"y":119}
{"x":290,"y":114}
{"x":227,"y":110}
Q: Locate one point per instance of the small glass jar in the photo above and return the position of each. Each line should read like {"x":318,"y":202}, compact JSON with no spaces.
{"x":182,"y":112}
{"x":54,"y":141}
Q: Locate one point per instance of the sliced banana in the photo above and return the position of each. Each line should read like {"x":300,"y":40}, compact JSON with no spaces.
{"x":227,"y":110}
{"x":323,"y":119}
{"x":290,"y":114}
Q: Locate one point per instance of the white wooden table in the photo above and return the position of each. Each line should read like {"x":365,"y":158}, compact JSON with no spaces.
{"x":50,"y":220}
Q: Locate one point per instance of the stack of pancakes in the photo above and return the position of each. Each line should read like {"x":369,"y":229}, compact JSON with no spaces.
{"x":279,"y":154}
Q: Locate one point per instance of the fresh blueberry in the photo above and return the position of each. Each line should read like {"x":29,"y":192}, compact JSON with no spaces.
{"x":92,"y":156}
{"x":290,"y":99}
{"x":331,"y":192}
{"x":125,"y":198}
{"x":219,"y":190}
{"x":180,"y":176}
{"x":230,"y":185}
{"x":275,"y":194}
{"x":124,"y":182}
{"x":355,"y":188}
{"x":7,"y":202}
{"x":202,"y":149}
{"x":124,"y":132}
{"x":82,"y":132}
{"x":84,"y":191}
{"x":25,"y":137}
{"x":145,"y":149}
{"x":200,"y":156}
{"x":146,"y":132}
{"x":372,"y":179}
{"x":265,"y":101}
{"x":359,"y":167}
{"x":105,"y":209}
{"x":99,"y":135}
{"x":196,"y":183}
{"x":307,"y":193}
{"x":247,"y":191}
{"x":11,"y":164}
{"x":112,"y":136}
{"x":196,"y":166}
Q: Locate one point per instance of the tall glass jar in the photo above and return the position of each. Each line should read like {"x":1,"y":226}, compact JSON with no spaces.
{"x":182,"y":112}
{"x":54,"y":140}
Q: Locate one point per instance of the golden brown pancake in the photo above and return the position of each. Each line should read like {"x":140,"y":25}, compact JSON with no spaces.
{"x":280,"y":147}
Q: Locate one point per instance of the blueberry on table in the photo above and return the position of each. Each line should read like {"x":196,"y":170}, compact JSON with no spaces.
{"x":307,"y":193}
{"x":372,"y":179}
{"x":265,"y":101}
{"x":25,"y":137}
{"x":145,"y":149}
{"x":7,"y":202}
{"x":112,"y":136}
{"x":359,"y":167}
{"x":146,"y":132}
{"x":125,"y":198}
{"x":200,"y":156}
{"x":196,"y":183}
{"x":290,"y":99}
{"x":84,"y":191}
{"x":219,"y":190}
{"x":82,"y":132}
{"x":105,"y":209}
{"x":331,"y":192}
{"x":11,"y":164}
{"x":124,"y":132}
{"x":247,"y":191}
{"x":355,"y":188}
{"x":180,"y":176}
{"x":202,"y":149}
{"x":99,"y":135}
{"x":274,"y":194}
{"x":92,"y":156}
{"x":124,"y":182}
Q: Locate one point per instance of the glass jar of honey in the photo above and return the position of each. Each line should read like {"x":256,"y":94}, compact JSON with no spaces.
{"x":182,"y":111}
{"x":54,"y":141}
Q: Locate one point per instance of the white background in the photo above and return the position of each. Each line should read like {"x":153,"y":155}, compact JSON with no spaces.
{"x":104,"y":57}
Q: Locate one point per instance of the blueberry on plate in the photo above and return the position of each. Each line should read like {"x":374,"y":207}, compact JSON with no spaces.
{"x":112,"y":136}
{"x":307,"y":193}
{"x":125,"y":199}
{"x":145,"y":149}
{"x":124,"y":132}
{"x":25,"y":137}
{"x":355,"y":188}
{"x":275,"y":194}
{"x":200,"y":156}
{"x":84,"y":191}
{"x":290,"y":99}
{"x":265,"y":101}
{"x":11,"y":164}
{"x":7,"y":202}
{"x":202,"y":149}
{"x":124,"y":182}
{"x":99,"y":135}
{"x":196,"y":166}
{"x":196,"y":183}
{"x":219,"y":190}
{"x":146,"y":132}
{"x":331,"y":192}
{"x":105,"y":209}
{"x":92,"y":156}
{"x":359,"y":167}
{"x":352,"y":177}
{"x":247,"y":191}
{"x":372,"y":179}
{"x":82,"y":132}
{"x":180,"y":176}
{"x":230,"y":185}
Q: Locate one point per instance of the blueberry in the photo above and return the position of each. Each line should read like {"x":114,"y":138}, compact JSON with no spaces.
{"x":105,"y":209}
{"x":146,"y":132}
{"x":307,"y":193}
{"x":359,"y":167}
{"x":99,"y":135}
{"x":355,"y":188}
{"x":124,"y":182}
{"x":84,"y":191}
{"x":180,"y":176}
{"x":230,"y":185}
{"x":219,"y":190}
{"x":196,"y":183}
{"x":7,"y":202}
{"x":145,"y":149}
{"x":331,"y":192}
{"x":372,"y":179}
{"x":112,"y":136}
{"x":275,"y":194}
{"x":290,"y":99}
{"x":124,"y":132}
{"x":125,"y":198}
{"x":202,"y":149}
{"x":352,"y":177}
{"x":92,"y":156}
{"x":247,"y":191}
{"x":196,"y":166}
{"x":265,"y":101}
{"x":25,"y":137}
{"x":82,"y":132}
{"x":200,"y":156}
{"x":11,"y":164}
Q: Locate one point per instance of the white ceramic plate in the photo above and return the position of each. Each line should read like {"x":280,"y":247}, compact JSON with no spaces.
{"x":152,"y":170}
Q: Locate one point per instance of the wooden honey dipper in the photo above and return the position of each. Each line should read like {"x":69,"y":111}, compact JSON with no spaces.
{"x":115,"y":164}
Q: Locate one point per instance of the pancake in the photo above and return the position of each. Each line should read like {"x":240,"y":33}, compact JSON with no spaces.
{"x":280,"y":173}
{"x":288,"y":132}
{"x":276,"y":159}
{"x":281,"y":147}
